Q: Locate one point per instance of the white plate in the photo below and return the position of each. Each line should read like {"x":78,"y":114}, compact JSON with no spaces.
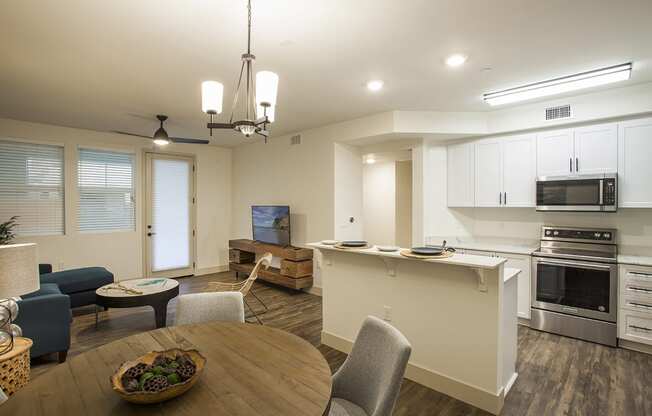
{"x":388,"y":248}
{"x":329,"y":242}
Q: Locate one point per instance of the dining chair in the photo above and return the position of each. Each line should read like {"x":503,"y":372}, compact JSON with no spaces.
{"x":196,"y":308}
{"x":370,"y":379}
{"x":245,"y":286}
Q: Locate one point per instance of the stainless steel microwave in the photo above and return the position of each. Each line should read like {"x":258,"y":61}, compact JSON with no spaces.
{"x":578,"y":193}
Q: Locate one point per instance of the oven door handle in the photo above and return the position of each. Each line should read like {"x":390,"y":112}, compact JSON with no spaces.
{"x":577,"y":263}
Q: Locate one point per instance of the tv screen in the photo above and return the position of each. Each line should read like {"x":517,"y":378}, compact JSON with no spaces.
{"x":271,"y":224}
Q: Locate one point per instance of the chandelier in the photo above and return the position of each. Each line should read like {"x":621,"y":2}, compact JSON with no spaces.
{"x":259,"y":96}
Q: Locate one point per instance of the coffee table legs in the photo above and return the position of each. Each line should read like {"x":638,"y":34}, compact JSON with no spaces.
{"x":161,"y":313}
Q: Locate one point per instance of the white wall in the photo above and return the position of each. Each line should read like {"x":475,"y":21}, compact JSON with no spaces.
{"x":379,"y":203}
{"x":403,"y":204}
{"x":121,"y":252}
{"x":348,"y":185}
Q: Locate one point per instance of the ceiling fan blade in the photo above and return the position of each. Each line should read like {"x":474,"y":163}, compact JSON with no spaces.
{"x":189,"y":141}
{"x":220,"y":126}
{"x":130,"y":134}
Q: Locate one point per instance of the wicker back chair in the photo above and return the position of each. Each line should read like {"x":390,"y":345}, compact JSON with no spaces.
{"x":245,"y":286}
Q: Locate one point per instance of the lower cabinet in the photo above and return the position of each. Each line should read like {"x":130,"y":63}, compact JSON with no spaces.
{"x":635,"y":304}
{"x":524,"y":264}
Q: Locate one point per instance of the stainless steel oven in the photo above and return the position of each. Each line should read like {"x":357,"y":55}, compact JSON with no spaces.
{"x":578,"y":193}
{"x":575,"y":283}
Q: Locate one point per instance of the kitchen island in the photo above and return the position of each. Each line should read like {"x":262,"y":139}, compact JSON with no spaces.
{"x":459,"y":314}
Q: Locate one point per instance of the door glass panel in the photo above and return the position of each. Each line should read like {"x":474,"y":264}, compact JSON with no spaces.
{"x":170,"y":240}
{"x":574,"y":192}
{"x":573,"y":286}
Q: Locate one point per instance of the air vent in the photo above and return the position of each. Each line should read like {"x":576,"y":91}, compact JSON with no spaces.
{"x":554,"y":113}
{"x":296,"y":139}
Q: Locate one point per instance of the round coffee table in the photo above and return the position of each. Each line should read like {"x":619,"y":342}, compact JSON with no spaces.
{"x":155,"y":292}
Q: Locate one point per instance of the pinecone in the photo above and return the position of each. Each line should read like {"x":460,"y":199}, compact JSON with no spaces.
{"x":161,"y":360}
{"x":135,"y":371}
{"x":131,"y":385}
{"x":186,"y":371}
{"x":155,"y":384}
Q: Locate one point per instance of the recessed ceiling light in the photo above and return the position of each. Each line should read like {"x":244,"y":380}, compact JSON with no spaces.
{"x":455,"y":60}
{"x":561,"y":85}
{"x":370,"y":160}
{"x":375,"y":85}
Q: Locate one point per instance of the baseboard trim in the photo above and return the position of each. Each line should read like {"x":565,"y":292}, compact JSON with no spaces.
{"x":210,"y":270}
{"x":475,"y":396}
{"x":635,"y":346}
{"x":315,"y":290}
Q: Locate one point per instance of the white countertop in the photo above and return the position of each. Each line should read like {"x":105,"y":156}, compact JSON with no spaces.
{"x":467,"y":260}
{"x":635,"y":260}
{"x":494,"y":244}
{"x":510,"y":272}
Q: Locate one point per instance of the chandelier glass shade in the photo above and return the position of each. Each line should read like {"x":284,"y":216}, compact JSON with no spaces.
{"x":251,"y":113}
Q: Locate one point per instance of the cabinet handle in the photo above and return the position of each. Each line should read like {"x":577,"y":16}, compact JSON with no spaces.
{"x":640,"y":328}
{"x":639,"y":305}
{"x":500,"y":198}
{"x":505,"y":198}
{"x":643,"y":275}
{"x":577,"y":164}
{"x":639,"y":289}
{"x":570,"y":161}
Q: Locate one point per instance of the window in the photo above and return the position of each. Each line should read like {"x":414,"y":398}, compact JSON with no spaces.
{"x":31,"y":187}
{"x":106,"y":191}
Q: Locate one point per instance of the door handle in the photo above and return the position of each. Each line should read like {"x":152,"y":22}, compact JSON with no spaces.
{"x":577,"y":164}
{"x":150,"y":234}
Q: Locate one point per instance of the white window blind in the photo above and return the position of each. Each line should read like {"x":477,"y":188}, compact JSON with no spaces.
{"x":106,"y":191}
{"x":31,"y":187}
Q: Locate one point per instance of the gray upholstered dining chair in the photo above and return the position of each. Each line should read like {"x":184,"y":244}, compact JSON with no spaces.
{"x":370,"y":379}
{"x":195,"y":308}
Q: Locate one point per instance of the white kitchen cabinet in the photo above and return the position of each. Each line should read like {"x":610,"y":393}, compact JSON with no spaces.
{"x":634,"y":164}
{"x":488,"y":174}
{"x":519,"y":171}
{"x":596,"y":149}
{"x":635,"y":304}
{"x":460,"y":175}
{"x":584,"y":150}
{"x":505,"y":172}
{"x":555,"y":153}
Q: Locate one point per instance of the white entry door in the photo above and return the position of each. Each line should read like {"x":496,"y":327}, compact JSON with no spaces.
{"x":170,"y":219}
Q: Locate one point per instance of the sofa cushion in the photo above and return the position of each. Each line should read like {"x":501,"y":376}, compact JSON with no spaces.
{"x":79,"y":280}
{"x":46,"y":289}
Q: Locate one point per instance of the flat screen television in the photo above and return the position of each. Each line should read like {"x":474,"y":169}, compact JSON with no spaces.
{"x":271,"y":224}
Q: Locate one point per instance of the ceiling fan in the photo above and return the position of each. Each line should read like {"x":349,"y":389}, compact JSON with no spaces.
{"x":161,"y":137}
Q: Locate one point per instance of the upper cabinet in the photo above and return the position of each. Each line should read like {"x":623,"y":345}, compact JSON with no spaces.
{"x":634,"y":163}
{"x":505,"y":172}
{"x":584,"y":150}
{"x":555,"y":153}
{"x":460,"y":175}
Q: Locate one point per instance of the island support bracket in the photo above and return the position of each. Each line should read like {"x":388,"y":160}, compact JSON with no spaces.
{"x":482,"y":279}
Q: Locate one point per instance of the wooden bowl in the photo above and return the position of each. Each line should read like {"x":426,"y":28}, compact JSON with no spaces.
{"x":142,"y":397}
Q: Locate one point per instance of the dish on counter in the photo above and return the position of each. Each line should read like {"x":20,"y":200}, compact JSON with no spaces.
{"x":329,"y":242}
{"x":427,"y":251}
{"x":353,"y":243}
{"x":388,"y":249}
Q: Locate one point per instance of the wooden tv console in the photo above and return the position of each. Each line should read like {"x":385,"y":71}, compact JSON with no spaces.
{"x":296,"y":263}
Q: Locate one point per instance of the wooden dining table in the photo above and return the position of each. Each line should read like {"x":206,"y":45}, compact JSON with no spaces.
{"x":250,"y":370}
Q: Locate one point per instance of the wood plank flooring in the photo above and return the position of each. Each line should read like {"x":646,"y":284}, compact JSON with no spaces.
{"x":557,"y":375}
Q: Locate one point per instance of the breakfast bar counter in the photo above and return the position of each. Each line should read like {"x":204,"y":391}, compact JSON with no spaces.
{"x":458,"y":312}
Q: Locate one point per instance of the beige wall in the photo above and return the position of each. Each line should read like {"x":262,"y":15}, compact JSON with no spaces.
{"x":122,"y":251}
{"x":379,"y":203}
{"x":404,"y":203}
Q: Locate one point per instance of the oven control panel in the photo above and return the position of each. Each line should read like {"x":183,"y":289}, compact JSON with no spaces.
{"x":578,"y":234}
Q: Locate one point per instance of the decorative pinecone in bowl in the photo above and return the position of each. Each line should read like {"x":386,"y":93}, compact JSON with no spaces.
{"x":186,"y":371}
{"x":155,"y":384}
{"x":135,"y":371}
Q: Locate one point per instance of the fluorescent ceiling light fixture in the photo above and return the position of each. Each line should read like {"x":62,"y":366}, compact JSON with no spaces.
{"x":375,"y":85}
{"x":455,"y":60}
{"x":561,"y":85}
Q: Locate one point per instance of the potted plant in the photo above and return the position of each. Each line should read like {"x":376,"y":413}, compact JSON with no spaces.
{"x":7,"y":233}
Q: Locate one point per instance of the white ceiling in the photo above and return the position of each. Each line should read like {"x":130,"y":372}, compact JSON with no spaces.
{"x":112,"y":65}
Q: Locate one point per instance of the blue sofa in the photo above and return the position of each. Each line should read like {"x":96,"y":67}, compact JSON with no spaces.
{"x":45,"y":315}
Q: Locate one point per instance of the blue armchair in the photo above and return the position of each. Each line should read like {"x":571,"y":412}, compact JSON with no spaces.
{"x":45,"y":318}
